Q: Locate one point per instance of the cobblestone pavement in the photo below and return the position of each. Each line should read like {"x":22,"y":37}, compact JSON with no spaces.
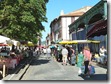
{"x":44,"y":68}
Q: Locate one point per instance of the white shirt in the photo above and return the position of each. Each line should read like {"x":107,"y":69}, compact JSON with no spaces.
{"x":64,"y":51}
{"x":102,"y":52}
{"x":48,"y":50}
{"x":44,"y":50}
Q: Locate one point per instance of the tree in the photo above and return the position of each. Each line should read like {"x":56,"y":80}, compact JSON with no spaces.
{"x":22,"y":19}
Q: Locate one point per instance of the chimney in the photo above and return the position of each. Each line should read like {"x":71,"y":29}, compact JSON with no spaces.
{"x":62,"y":12}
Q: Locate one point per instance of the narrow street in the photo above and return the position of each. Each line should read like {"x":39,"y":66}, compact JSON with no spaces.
{"x":73,"y":30}
{"x":43,"y":68}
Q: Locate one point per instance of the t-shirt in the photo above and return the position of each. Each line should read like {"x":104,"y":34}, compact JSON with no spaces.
{"x":87,"y":55}
{"x":44,"y":50}
{"x":48,"y":50}
{"x":64,"y":51}
{"x":102,"y":52}
{"x":96,"y":56}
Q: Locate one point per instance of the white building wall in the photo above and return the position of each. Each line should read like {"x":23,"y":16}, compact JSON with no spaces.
{"x":66,"y":21}
{"x":76,"y":18}
{"x":70,"y":36}
{"x":54,"y":37}
{"x":57,"y":36}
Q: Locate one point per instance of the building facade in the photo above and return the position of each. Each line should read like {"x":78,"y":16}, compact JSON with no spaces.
{"x":48,"y":41}
{"x":91,"y":25}
{"x":59,"y":26}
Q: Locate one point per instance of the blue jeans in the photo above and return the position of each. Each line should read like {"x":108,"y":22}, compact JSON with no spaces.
{"x":102,"y":59}
{"x":86,"y":63}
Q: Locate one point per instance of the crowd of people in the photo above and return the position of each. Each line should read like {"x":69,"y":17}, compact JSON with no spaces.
{"x":12,"y":56}
{"x":83,"y":58}
{"x":66,"y":55}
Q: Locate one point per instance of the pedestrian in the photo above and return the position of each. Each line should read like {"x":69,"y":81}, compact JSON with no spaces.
{"x":80,"y":59}
{"x":37,"y":50}
{"x":97,"y":57}
{"x":102,"y":53}
{"x":64,"y":55}
{"x":44,"y":51}
{"x":80,"y":62}
{"x":87,"y":58}
{"x":55,"y":53}
{"x":73,"y":56}
{"x":48,"y":51}
{"x":58,"y":54}
{"x":69,"y":54}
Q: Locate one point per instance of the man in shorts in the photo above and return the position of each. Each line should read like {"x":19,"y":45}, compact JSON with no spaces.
{"x":64,"y":55}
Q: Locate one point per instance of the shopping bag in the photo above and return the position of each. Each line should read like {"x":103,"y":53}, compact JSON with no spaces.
{"x":82,"y":69}
{"x":92,"y":70}
{"x":73,"y":59}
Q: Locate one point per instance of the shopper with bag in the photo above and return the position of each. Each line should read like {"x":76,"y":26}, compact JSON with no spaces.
{"x":73,"y":56}
{"x":80,"y":62}
{"x":87,"y":60}
{"x":80,"y":59}
{"x":91,"y":69}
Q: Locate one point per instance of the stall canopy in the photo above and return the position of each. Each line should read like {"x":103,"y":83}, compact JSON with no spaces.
{"x":79,"y":41}
{"x":3,"y":39}
{"x":99,"y":28}
{"x":16,"y":43}
{"x":30,"y":43}
{"x":65,"y":42}
{"x":9,"y":42}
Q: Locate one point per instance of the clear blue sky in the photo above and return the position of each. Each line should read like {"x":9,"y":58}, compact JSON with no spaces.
{"x":54,"y":8}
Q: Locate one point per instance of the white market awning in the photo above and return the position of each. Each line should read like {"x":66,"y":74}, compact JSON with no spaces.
{"x":3,"y":39}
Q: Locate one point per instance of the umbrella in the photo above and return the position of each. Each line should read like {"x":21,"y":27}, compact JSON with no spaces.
{"x":30,"y":43}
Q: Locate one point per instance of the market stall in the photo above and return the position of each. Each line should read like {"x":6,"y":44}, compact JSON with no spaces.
{"x":4,"y":62}
{"x":76,"y":43}
{"x":3,"y":39}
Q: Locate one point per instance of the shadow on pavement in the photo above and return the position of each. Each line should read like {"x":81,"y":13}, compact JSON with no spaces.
{"x":103,"y":66}
{"x":39,"y":62}
{"x":96,"y":77}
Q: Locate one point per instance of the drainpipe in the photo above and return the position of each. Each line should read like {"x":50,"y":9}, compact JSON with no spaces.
{"x":105,"y":17}
{"x":105,"y":10}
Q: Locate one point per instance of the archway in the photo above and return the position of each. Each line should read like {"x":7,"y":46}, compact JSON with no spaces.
{"x":95,"y":18}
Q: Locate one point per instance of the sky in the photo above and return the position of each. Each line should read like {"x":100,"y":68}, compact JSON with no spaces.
{"x":54,"y":8}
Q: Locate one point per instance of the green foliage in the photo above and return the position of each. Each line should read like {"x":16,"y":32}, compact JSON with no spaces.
{"x":22,"y":19}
